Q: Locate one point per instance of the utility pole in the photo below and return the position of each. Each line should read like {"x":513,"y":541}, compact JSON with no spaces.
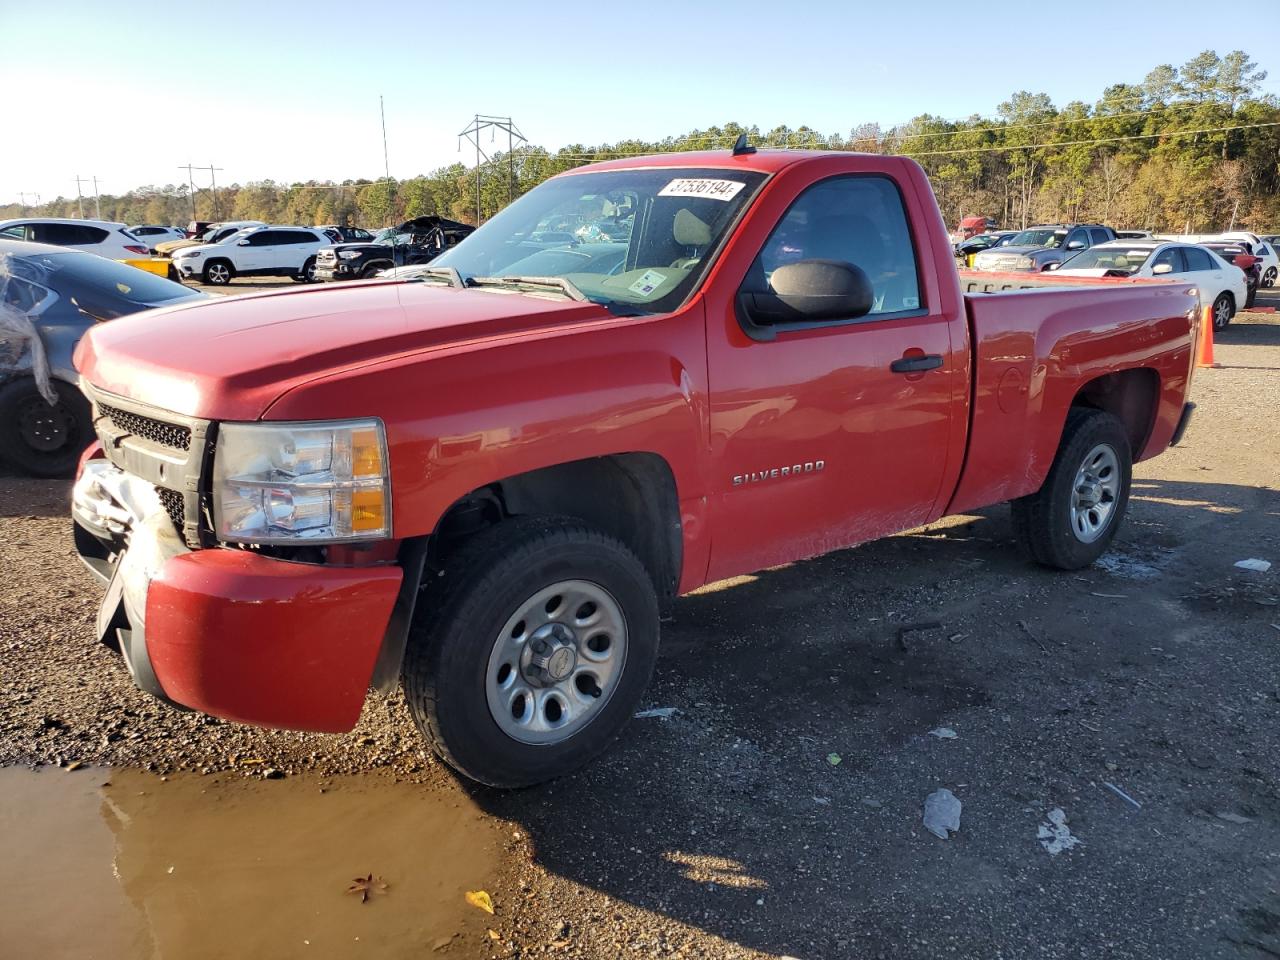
{"x":386,"y":164}
{"x":191,"y":188}
{"x":97,"y":202}
{"x":22,"y":200}
{"x":213,"y":187}
{"x":79,"y":195}
{"x":479,"y":123}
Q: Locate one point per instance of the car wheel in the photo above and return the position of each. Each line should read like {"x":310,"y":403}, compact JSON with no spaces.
{"x":1269,"y":278}
{"x":371,"y":270}
{"x":308,"y":274}
{"x":1071,"y":520}
{"x":535,"y":653}
{"x":1224,"y":308}
{"x":217,"y":273}
{"x":41,"y":439}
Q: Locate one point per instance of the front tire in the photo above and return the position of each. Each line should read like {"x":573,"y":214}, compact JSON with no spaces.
{"x":535,"y":652}
{"x":1072,"y":519}
{"x":40,"y":439}
{"x":1269,"y":278}
{"x":217,"y":273}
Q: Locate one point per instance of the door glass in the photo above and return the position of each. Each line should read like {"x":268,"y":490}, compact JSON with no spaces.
{"x":856,"y":219}
{"x":1197,"y":259}
{"x":1169,"y":257}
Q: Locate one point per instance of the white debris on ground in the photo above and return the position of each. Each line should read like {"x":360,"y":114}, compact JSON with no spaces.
{"x":943,"y":733}
{"x":942,"y":813}
{"x":1129,"y":567}
{"x":661,"y":713}
{"x":1055,"y":836}
{"x":1258,"y":566}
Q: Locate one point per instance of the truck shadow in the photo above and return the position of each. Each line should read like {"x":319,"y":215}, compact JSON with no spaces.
{"x":779,"y":807}
{"x":1251,"y":332}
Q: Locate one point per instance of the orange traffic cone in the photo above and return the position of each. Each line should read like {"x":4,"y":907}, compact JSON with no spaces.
{"x":1205,"y":359}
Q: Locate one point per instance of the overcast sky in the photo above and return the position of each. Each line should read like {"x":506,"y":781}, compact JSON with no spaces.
{"x":289,"y":91}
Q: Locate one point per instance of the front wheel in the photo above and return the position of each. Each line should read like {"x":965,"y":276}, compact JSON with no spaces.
{"x":1072,"y":519}
{"x":217,"y":273}
{"x":534,"y":654}
{"x":39,"y":438}
{"x":1269,"y":278}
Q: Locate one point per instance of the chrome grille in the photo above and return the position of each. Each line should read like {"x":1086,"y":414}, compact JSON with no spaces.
{"x":171,"y":435}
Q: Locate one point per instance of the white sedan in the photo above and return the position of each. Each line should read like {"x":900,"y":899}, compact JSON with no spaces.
{"x":1220,"y":283}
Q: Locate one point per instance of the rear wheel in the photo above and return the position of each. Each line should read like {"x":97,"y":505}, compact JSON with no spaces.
{"x":1224,"y":308}
{"x":308,"y":274}
{"x":1072,"y":519}
{"x":39,"y":438}
{"x":1269,"y":278}
{"x":535,"y":652}
{"x":218,"y":273}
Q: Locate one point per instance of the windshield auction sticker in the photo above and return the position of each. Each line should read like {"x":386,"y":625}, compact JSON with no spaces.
{"x":649,"y":282}
{"x":710,"y":189}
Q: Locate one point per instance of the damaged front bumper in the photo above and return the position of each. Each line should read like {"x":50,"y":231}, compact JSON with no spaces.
{"x":225,"y":631}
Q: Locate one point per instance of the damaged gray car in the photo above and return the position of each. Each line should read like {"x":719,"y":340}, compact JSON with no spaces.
{"x":49,"y":297}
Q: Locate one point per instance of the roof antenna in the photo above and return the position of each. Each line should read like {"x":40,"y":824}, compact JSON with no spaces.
{"x":742,"y":147}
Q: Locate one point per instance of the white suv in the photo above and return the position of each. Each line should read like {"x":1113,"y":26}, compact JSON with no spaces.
{"x":254,"y":252}
{"x":103,"y":237}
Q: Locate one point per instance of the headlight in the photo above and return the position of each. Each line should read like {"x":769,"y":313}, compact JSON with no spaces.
{"x":183,"y":254}
{"x":1025,"y":263}
{"x":349,"y":254}
{"x":285,"y":482}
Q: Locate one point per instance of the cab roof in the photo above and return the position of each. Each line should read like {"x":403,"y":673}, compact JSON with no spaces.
{"x":762,"y":161}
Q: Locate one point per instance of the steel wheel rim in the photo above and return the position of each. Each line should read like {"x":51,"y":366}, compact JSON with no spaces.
{"x":539,"y":694}
{"x":1221,"y":312}
{"x":43,"y":427}
{"x":1094,"y":493}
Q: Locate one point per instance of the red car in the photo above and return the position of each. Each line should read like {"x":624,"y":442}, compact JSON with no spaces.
{"x":492,"y":480}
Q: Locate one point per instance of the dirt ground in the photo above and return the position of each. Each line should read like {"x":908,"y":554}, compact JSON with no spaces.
{"x":777,"y":812}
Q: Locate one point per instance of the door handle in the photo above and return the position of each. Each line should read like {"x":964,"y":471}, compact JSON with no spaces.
{"x":917,"y":364}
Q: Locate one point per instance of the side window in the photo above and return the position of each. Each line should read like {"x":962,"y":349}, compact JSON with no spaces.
{"x":1077,"y":236}
{"x":17,"y":232}
{"x":1197,"y":259}
{"x":1098,"y":235}
{"x":296,"y":236}
{"x":857,"y":219}
{"x":264,"y":238}
{"x":91,"y":234}
{"x":1168,"y":257}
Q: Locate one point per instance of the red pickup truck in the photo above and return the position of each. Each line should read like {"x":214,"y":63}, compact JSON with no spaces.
{"x":492,"y":478}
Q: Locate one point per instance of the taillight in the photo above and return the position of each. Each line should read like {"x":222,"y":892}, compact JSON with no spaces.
{"x":134,"y":248}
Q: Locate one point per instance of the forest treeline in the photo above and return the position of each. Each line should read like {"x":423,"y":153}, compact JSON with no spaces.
{"x":1189,"y":149}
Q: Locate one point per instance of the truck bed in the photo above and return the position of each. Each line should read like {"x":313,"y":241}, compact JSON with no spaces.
{"x":1039,"y":341}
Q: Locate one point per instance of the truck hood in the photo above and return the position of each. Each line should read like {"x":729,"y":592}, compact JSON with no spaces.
{"x":364,"y":246}
{"x":231,"y":358}
{"x":1015,"y":251}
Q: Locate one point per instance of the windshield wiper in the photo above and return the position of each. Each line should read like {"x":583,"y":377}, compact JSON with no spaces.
{"x":566,"y":287}
{"x":440,"y":273}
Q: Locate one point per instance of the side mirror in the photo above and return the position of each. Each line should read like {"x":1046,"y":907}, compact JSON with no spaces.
{"x":809,"y":291}
{"x":1075,"y":245}
{"x":1057,"y":264}
{"x":1160,"y":268}
{"x":242,"y":243}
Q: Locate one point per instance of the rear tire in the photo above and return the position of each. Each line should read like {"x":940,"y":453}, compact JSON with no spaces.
{"x":466,"y":663}
{"x":1072,"y":519}
{"x":1269,"y":278}
{"x":308,"y":274}
{"x":1224,"y":308}
{"x":39,"y":439}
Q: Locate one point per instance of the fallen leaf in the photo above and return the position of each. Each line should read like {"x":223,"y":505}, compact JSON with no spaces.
{"x":74,"y":765}
{"x":833,"y":759}
{"x":366,"y":886}
{"x":480,"y":899}
{"x":251,"y":761}
{"x":494,"y":935}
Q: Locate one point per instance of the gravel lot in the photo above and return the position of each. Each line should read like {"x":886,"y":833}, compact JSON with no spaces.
{"x":778,"y":812}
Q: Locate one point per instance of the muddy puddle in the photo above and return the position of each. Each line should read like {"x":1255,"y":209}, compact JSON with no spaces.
{"x":112,"y":864}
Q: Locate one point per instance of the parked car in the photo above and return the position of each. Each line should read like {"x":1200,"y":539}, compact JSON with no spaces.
{"x":1037,"y":247}
{"x":1268,"y":261}
{"x":347,"y":234}
{"x":1220,"y":284}
{"x":983,"y":241}
{"x":216,"y":233}
{"x":1241,"y":258}
{"x":151,"y":234}
{"x":1133,"y":235}
{"x":103,"y":237}
{"x":413,"y":242}
{"x":775,"y":372}
{"x":266,"y":251}
{"x":54,"y":295}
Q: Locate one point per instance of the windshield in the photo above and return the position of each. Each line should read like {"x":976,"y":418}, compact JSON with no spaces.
{"x":1128,"y":259}
{"x":1039,"y":238}
{"x":640,"y":238}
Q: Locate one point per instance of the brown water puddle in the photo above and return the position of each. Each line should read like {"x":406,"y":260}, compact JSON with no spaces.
{"x":120,"y":864}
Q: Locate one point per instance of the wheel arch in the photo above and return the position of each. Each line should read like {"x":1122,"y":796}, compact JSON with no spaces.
{"x":1132,"y":396}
